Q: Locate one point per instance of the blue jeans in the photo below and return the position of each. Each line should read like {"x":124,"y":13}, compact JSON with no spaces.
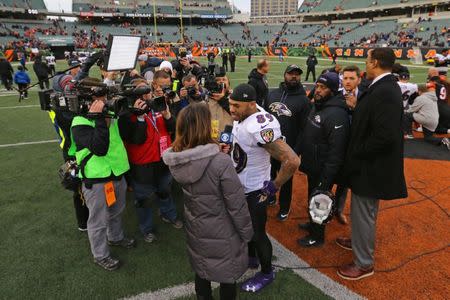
{"x":142,"y":191}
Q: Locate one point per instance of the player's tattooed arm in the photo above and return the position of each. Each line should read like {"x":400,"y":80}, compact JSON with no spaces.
{"x":281,"y":151}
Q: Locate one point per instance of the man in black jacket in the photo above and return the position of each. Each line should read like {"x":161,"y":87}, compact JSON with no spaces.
{"x":323,"y":145}
{"x":42,"y":70}
{"x":311,"y":63}
{"x":374,"y":160}
{"x":225,"y":59}
{"x":232,"y":60}
{"x":291,"y":107}
{"x":6,"y":73}
{"x":257,"y":78}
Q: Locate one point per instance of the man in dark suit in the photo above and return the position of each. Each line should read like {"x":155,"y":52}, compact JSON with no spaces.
{"x":350,"y":91}
{"x":374,"y":162}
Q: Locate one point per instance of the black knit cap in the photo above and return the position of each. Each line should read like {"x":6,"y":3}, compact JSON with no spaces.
{"x":243,"y":93}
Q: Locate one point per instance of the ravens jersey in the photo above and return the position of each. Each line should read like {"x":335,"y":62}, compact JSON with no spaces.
{"x":251,"y":160}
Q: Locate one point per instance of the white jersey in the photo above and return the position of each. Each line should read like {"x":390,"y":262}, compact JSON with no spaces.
{"x":252,"y":162}
{"x":408,"y":89}
{"x":50,"y":60}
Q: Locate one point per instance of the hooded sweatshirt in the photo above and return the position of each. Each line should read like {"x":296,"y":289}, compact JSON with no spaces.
{"x":324,"y":141}
{"x":261,"y":85}
{"x":425,"y":110}
{"x":218,"y":223}
{"x":291,"y":108}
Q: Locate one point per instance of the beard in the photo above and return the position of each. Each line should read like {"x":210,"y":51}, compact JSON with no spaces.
{"x":292,"y":84}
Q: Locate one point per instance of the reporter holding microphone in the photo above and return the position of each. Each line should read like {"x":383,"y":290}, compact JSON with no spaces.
{"x":217,"y":220}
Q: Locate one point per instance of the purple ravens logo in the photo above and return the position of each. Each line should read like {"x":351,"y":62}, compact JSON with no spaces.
{"x":280,"y":109}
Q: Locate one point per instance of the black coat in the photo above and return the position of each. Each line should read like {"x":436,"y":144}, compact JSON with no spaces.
{"x":291,"y":108}
{"x":324,"y":141}
{"x":374,"y":161}
{"x":311,"y":62}
{"x":41,"y":69}
{"x":261,"y":85}
{"x":6,"y":68}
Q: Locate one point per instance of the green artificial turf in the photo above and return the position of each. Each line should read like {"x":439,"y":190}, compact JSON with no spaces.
{"x":44,"y":256}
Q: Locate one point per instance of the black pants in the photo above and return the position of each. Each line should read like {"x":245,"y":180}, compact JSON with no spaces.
{"x":317,"y":231}
{"x":311,"y":70}
{"x":232,"y":65}
{"x":444,"y":117}
{"x":43,"y":80}
{"x":52,"y":69}
{"x":249,"y":58}
{"x":81,"y":210}
{"x":260,"y":246}
{"x":428,"y":135}
{"x":204,"y":292}
{"x":285,"y":195}
{"x":6,"y":80}
{"x":341,"y":196}
{"x":23,"y":89}
{"x":225,"y":65}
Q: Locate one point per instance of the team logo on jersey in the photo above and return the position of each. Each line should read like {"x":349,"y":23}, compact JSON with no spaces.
{"x":317,"y":118}
{"x":239,"y":157}
{"x":267,"y":135}
{"x":280,"y":109}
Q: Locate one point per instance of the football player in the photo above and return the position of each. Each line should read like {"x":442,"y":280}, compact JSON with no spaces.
{"x":409,"y":90}
{"x":256,"y":138}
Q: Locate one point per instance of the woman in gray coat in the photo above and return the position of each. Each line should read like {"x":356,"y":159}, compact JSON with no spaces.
{"x":218,"y":223}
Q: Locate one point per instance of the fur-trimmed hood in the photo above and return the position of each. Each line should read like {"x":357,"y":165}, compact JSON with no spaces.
{"x":188,"y":166}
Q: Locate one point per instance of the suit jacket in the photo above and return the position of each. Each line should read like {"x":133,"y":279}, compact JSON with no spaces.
{"x":374,"y":161}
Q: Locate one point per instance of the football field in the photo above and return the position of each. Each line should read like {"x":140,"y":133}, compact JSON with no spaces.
{"x":44,"y":256}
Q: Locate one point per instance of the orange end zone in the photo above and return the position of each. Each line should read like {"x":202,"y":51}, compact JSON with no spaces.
{"x":402,"y":232}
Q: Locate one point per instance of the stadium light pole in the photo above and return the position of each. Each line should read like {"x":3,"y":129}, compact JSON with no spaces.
{"x":181,"y":22}
{"x":154,"y":21}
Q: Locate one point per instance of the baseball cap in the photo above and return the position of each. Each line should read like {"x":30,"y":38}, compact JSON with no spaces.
{"x":292,"y":68}
{"x":74,"y":62}
{"x":142,"y":57}
{"x":244,"y":93}
{"x":331,"y":80}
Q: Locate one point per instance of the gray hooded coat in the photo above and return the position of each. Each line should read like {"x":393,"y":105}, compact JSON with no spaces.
{"x":218,"y":224}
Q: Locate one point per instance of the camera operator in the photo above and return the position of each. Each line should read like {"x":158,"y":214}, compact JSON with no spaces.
{"x":6,"y":73}
{"x":191,"y":92}
{"x":162,"y":86}
{"x":62,"y":121}
{"x":218,"y":103}
{"x":184,"y":67}
{"x":103,"y":161}
{"x":146,"y":137}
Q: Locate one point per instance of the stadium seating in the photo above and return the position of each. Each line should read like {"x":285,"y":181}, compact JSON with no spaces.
{"x":31,"y":4}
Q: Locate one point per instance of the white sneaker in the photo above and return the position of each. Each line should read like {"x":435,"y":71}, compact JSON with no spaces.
{"x":409,"y":137}
{"x":419,"y":129}
{"x":446,"y":142}
{"x":149,"y":237}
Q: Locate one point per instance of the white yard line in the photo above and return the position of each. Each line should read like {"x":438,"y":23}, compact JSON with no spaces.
{"x":284,"y":258}
{"x":28,"y":143}
{"x":20,"y":106}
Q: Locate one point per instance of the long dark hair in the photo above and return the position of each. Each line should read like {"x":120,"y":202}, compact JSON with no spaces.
{"x":193,"y":127}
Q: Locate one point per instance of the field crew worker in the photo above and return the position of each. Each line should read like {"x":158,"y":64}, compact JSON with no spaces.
{"x":146,"y":137}
{"x":102,"y":158}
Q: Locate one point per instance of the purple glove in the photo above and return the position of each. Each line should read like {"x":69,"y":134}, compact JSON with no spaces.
{"x":269,"y":189}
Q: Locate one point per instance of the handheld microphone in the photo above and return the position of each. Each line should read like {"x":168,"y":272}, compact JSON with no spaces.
{"x":226,"y":136}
